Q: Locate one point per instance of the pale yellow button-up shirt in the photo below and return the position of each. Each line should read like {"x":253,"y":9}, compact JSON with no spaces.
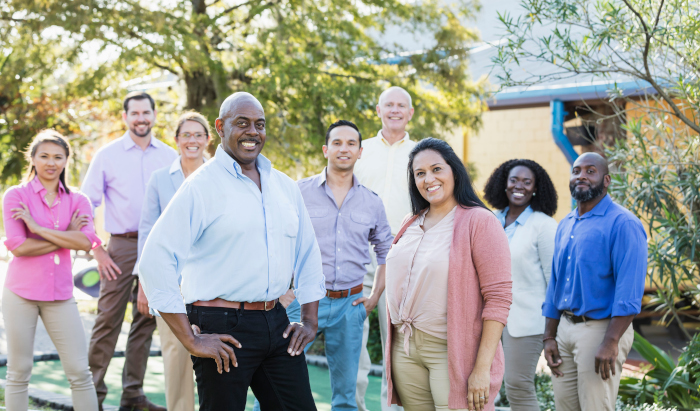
{"x":383,"y":169}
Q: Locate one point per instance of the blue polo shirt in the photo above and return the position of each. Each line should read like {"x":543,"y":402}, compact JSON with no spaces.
{"x":599,"y":265}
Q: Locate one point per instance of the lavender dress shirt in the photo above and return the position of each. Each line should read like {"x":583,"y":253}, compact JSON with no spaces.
{"x":120,"y":172}
{"x":344,"y":233}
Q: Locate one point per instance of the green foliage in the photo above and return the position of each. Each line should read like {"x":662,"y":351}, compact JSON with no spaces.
{"x":374,"y":342}
{"x":667,"y":383}
{"x":543,"y":389}
{"x":309,"y":63}
{"x":652,"y":42}
{"x":657,"y":177}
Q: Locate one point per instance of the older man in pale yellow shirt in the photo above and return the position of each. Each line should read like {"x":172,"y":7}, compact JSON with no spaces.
{"x":382,"y":169}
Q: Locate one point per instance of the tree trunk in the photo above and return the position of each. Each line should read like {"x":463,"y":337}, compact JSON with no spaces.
{"x":200,"y":90}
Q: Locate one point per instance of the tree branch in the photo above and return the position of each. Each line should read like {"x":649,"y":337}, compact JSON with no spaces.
{"x":230,"y":9}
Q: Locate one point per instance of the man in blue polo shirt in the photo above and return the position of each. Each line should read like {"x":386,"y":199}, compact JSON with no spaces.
{"x":598,"y":273}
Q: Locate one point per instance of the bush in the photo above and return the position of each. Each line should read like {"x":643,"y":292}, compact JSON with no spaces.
{"x":668,"y":383}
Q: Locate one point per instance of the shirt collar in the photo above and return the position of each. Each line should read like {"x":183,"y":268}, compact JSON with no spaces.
{"x":321,"y":178}
{"x":522,"y":218}
{"x":128,"y":143}
{"x":177,"y":165}
{"x":37,"y":187}
{"x":232,"y":166}
{"x":598,"y":210}
{"x":381,"y":137}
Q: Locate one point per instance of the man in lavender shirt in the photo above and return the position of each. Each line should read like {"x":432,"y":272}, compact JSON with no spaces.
{"x":120,"y":172}
{"x":347,"y":217}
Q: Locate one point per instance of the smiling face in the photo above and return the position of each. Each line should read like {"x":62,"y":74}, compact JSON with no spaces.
{"x":395,"y":110}
{"x":520,"y":186}
{"x":242,"y":128}
{"x":49,"y":161}
{"x":343,"y":148}
{"x":140,"y":117}
{"x":434,"y":178}
{"x":192,"y":140}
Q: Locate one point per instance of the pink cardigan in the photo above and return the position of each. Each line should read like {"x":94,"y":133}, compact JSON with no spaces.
{"x":479,"y":289}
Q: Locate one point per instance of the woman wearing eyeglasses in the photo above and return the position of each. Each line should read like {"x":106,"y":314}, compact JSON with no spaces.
{"x":192,"y":136}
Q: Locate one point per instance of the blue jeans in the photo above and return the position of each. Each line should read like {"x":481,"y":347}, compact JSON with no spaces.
{"x":341,"y":323}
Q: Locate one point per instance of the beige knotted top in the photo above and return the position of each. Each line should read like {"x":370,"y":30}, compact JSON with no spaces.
{"x":416,"y":278}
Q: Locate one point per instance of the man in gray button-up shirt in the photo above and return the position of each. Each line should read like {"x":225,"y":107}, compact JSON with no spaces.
{"x":346,"y":217}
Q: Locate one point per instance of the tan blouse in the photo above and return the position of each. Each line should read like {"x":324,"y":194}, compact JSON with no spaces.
{"x":416,"y":278}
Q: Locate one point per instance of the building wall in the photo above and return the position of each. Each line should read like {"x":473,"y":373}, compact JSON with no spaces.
{"x":518,"y":133}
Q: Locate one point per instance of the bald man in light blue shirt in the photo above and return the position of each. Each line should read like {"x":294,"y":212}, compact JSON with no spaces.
{"x":238,"y":232}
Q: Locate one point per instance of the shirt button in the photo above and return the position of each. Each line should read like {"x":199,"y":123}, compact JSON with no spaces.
{"x":339,"y":214}
{"x":572,"y":236}
{"x":567,"y":279}
{"x":564,"y":299}
{"x":569,"y":257}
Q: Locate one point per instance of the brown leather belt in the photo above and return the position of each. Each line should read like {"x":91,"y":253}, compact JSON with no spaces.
{"x":133,"y":234}
{"x":576,"y":319}
{"x":344,"y":293}
{"x":256,"y":306}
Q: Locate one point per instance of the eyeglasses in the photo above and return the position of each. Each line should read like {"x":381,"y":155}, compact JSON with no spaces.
{"x":197,"y":136}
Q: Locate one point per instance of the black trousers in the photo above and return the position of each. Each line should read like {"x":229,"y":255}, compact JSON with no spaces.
{"x":279,"y":381}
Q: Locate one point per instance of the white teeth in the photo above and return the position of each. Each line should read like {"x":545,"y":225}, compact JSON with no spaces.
{"x":394,"y":118}
{"x":433,"y":188}
{"x":344,"y":158}
{"x":248,"y":144}
{"x":518,"y":195}
{"x":192,"y":148}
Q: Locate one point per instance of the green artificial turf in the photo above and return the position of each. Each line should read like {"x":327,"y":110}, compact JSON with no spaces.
{"x":49,"y":376}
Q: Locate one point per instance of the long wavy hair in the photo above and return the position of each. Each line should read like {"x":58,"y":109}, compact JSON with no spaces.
{"x":47,"y":136}
{"x":464,"y":190}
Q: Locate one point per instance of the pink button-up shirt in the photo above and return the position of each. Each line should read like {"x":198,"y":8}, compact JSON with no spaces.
{"x":45,"y":277}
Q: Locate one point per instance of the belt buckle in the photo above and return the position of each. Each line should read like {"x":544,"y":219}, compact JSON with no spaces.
{"x":271,"y":307}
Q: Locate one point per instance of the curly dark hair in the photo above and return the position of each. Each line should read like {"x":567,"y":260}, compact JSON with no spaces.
{"x":546,"y":198}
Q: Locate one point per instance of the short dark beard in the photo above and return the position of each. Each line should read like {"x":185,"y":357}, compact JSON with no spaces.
{"x":133,"y":131}
{"x":584,"y":196}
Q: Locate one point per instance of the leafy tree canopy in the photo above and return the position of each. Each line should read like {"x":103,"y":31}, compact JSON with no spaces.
{"x":309,"y":63}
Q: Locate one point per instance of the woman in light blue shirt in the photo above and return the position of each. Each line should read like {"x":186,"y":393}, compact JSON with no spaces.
{"x":526,"y":199}
{"x":192,"y":137}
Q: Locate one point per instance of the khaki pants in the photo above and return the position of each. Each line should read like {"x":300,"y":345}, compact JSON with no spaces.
{"x":365,"y":363}
{"x":111,"y":307}
{"x":421,"y":378}
{"x":65,"y":328}
{"x":581,"y":388}
{"x":521,"y":354}
{"x":179,"y":374}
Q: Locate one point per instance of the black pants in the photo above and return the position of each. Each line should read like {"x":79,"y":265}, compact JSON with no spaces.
{"x":279,"y":381}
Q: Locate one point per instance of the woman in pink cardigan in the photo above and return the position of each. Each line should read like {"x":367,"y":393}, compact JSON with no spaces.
{"x":448,"y":291}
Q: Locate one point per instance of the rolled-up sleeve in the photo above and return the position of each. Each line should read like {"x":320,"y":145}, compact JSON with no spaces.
{"x":491,"y":256}
{"x":82,"y":204}
{"x":309,"y":281}
{"x":15,"y":230}
{"x":629,"y":260}
{"x":149,"y":215}
{"x":167,"y":247}
{"x":94,"y":182}
{"x":380,"y":236}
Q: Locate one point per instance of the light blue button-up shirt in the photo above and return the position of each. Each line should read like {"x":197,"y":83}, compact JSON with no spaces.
{"x":229,"y":240}
{"x":522,"y":218}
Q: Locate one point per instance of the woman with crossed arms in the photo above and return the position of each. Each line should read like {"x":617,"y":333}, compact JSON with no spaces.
{"x":448,"y":290}
{"x":44,"y":219}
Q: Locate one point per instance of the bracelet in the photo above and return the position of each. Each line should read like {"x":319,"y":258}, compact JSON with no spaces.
{"x":548,"y":338}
